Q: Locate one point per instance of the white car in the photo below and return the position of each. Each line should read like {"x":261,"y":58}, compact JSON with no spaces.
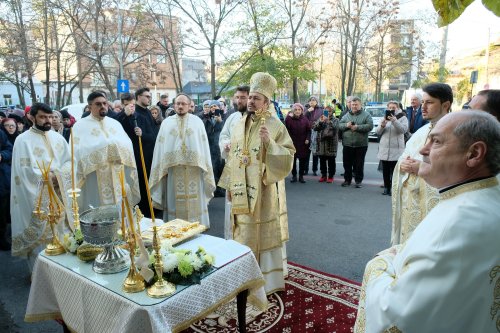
{"x":76,"y":110}
{"x":377,"y":112}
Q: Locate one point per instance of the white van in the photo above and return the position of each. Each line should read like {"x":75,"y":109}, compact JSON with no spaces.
{"x":76,"y":110}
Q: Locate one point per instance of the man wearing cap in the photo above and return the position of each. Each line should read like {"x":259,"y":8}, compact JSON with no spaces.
{"x":182,"y":181}
{"x":102,"y":151}
{"x":260,"y":158}
{"x":34,"y":148}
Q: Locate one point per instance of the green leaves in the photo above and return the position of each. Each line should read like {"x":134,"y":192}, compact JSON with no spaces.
{"x":493,"y":5}
{"x":449,"y":11}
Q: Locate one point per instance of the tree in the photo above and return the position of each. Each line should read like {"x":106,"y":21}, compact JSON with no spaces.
{"x":21,"y":58}
{"x":209,"y":19}
{"x":304,"y":32}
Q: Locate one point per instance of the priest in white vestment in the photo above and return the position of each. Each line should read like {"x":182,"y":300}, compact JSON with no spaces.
{"x":412,"y":197}
{"x":240,"y":100}
{"x":182,"y":180}
{"x":43,"y":146}
{"x":446,"y":276}
{"x":255,"y":183}
{"x":102,"y":151}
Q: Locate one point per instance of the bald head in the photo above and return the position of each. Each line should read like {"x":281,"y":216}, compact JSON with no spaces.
{"x":462,"y":146}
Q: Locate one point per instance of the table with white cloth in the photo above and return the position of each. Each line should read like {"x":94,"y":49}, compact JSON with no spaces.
{"x":63,"y":287}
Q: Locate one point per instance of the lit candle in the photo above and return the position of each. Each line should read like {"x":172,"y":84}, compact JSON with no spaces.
{"x":72,"y":161}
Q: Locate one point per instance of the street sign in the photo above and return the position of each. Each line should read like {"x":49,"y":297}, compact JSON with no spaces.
{"x":122,"y":86}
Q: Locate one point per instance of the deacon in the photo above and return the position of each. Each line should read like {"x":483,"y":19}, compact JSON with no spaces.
{"x":261,"y":156}
{"x":182,"y":181}
{"x":412,"y":198}
{"x":240,"y":101}
{"x":445,"y":278}
{"x":102,"y":151}
{"x":37,"y":146}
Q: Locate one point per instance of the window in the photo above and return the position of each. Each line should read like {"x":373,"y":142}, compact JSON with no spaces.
{"x":161,"y":59}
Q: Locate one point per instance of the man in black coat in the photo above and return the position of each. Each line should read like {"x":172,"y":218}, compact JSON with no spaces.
{"x":137,"y":120}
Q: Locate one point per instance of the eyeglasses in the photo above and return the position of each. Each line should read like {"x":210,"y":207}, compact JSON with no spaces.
{"x":9,"y":126}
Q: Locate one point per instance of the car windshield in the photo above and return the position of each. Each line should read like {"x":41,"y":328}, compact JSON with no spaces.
{"x":378,"y":111}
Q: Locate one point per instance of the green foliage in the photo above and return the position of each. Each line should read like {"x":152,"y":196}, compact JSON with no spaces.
{"x":277,"y":61}
{"x":463,"y":90}
{"x":449,"y":11}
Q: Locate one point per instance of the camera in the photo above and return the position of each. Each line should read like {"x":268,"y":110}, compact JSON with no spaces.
{"x":353,"y":123}
{"x":218,"y":112}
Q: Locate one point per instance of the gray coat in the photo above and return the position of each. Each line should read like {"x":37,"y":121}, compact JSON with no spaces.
{"x":392,"y":142}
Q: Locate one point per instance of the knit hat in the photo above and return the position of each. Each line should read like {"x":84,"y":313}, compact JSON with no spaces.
{"x":298,"y":105}
{"x":263,"y":83}
{"x":216,"y":103}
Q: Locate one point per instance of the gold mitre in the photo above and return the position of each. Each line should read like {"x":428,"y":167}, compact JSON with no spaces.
{"x":263,"y":83}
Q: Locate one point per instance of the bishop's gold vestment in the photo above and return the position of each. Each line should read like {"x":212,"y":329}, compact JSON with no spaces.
{"x":258,"y":193}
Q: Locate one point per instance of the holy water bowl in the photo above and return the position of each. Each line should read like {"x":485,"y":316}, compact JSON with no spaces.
{"x":99,"y":226}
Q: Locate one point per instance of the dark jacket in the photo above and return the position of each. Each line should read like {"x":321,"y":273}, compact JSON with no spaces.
{"x":145,"y":121}
{"x":359,"y":137}
{"x":327,"y":146}
{"x":419,"y":120}
{"x":300,"y":131}
{"x":213,"y":129}
{"x":314,"y":115}
{"x":6,"y":153}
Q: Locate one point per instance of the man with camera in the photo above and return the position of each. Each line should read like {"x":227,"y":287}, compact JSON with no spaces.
{"x":355,"y":126}
{"x":213,"y":122}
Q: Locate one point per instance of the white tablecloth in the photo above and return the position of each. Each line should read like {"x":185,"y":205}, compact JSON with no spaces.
{"x":64,"y":287}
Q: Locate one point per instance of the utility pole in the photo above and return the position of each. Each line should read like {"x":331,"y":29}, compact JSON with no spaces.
{"x":120,"y":41}
{"x":442,"y":58}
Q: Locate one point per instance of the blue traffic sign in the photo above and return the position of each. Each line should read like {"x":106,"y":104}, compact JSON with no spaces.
{"x":122,"y":86}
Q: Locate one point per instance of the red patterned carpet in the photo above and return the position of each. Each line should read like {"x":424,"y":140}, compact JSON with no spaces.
{"x":312,"y":302}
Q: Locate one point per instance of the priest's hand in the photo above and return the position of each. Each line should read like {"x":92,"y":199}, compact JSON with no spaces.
{"x":264,"y":134}
{"x":227,"y":147}
{"x":410,"y":165}
{"x":138,"y":131}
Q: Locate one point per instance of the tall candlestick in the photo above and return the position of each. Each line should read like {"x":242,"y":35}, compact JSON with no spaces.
{"x":72,"y":161}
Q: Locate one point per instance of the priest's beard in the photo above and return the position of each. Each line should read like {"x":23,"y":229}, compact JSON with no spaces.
{"x":44,"y":127}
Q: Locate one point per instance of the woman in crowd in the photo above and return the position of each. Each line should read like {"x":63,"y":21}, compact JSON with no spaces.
{"x":58,"y":125}
{"x":392,"y":143}
{"x":9,"y":126}
{"x":300,"y":131}
{"x":156,"y":113}
{"x":314,"y":111}
{"x":327,"y":140}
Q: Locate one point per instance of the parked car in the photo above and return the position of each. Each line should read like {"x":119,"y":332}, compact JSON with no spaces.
{"x":75,"y":110}
{"x":377,"y":112}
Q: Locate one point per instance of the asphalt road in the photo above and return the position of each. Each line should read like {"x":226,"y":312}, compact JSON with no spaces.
{"x":332,"y":229}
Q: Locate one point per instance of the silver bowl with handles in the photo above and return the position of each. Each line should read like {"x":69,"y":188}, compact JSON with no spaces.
{"x":99,"y":226}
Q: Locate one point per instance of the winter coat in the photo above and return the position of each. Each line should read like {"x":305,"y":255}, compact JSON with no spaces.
{"x":359,"y":137}
{"x":5,"y":165}
{"x":213,"y":129}
{"x":300,"y":131}
{"x":328,"y":146}
{"x":392,"y":142}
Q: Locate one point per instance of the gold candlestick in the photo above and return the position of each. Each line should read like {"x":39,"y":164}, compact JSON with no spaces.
{"x":54,"y":213}
{"x":134,"y":281}
{"x":138,"y":218}
{"x":160,"y":288}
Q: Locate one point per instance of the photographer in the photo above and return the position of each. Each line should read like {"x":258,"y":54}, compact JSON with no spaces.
{"x":392,"y":144}
{"x":327,"y":139}
{"x":212,"y":120}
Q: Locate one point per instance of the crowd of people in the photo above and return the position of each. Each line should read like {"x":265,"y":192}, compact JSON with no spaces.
{"x":437,"y":166}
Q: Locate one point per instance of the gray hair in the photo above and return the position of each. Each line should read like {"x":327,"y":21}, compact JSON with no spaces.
{"x":481,"y":126}
{"x":418,"y":96}
{"x":355,"y":99}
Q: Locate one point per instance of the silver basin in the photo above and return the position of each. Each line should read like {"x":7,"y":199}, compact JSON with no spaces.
{"x":99,"y":226}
